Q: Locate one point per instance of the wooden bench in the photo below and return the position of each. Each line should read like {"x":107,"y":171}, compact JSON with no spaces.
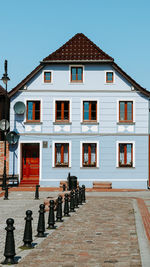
{"x":102,"y":185}
{"x":11,"y":180}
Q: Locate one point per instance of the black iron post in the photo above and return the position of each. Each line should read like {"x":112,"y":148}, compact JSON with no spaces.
{"x":6,"y":193}
{"x":41,"y":221}
{"x":83,"y":194}
{"x":37,"y":192}
{"x":27,"y":239}
{"x":76,"y":199}
{"x":5,"y":79}
{"x":64,"y":187}
{"x":51,"y":216}
{"x":72,"y":201}
{"x":66,"y":206}
{"x":59,"y":210}
{"x":9,"y":251}
{"x":80,"y":196}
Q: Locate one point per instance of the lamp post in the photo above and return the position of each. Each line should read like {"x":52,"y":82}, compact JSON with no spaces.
{"x":5,"y":79}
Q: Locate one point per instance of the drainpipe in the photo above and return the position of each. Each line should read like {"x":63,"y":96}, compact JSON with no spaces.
{"x":148,"y":182}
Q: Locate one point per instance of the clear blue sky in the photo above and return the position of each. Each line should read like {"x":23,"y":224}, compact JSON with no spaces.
{"x":32,"y":29}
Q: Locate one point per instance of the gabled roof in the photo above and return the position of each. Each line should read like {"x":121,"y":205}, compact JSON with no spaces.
{"x":2,"y":91}
{"x":78,"y":48}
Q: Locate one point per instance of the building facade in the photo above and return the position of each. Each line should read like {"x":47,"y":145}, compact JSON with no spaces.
{"x":84,"y":115}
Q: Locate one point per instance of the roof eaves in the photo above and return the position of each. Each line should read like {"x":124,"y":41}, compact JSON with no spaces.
{"x":24,"y":81}
{"x":82,"y":60}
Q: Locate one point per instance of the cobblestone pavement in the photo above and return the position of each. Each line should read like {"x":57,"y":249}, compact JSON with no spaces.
{"x":101,"y":233}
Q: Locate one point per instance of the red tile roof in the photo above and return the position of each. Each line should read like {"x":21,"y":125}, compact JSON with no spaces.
{"x":79,"y":48}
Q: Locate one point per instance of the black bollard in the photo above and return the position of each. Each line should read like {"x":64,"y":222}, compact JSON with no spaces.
{"x":51,"y":216}
{"x":83,"y":194}
{"x":9,"y":251}
{"x":41,"y":221}
{"x":66,"y":206}
{"x":76,"y":199}
{"x":59,"y":210}
{"x":72,"y":201}
{"x":64,"y":187}
{"x":6,"y":193}
{"x":80,"y":196}
{"x":27,"y":239}
{"x":37,"y":192}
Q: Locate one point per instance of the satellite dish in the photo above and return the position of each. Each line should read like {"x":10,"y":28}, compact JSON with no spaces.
{"x":19,"y":108}
{"x":12,"y":138}
{"x":4,"y":125}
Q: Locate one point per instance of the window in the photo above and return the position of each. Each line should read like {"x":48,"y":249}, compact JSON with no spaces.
{"x":125,"y":155}
{"x":89,"y":110}
{"x":76,"y":74}
{"x":126,"y":111}
{"x":62,"y":111}
{"x":61,"y":155}
{"x":33,"y":111}
{"x":47,"y":76}
{"x":89,"y":155}
{"x":109,"y":77}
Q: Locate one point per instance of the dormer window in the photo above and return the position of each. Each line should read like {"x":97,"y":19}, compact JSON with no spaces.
{"x":76,"y":74}
{"x":47,"y":76}
{"x":109,"y":77}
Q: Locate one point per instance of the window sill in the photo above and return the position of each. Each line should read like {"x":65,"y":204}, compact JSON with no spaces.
{"x":75,"y":83}
{"x":126,"y":122}
{"x":89,"y":167}
{"x":89,"y":122}
{"x":125,"y":167}
{"x":33,"y":122}
{"x":62,"y":122}
{"x":60,"y":167}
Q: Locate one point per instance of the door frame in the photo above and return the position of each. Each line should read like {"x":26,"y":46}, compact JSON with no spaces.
{"x":20,"y":157}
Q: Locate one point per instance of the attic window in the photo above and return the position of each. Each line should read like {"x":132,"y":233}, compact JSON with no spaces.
{"x":109,"y":77}
{"x":47,"y":76}
{"x":77,"y":74}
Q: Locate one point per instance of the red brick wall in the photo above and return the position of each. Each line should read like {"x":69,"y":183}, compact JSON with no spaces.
{"x":2,"y":158}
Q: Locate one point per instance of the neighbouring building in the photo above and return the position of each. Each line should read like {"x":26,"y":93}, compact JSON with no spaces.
{"x":84,"y":115}
{"x":2,"y":116}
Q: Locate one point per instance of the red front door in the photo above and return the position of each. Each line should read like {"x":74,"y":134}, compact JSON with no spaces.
{"x":30,"y":162}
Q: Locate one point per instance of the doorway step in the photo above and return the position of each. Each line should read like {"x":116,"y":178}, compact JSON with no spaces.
{"x":26,"y":183}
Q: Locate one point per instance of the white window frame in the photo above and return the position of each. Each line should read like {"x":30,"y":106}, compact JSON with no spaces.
{"x":70,"y":107}
{"x":117,"y":152}
{"x":70,"y":82}
{"x":81,"y":152}
{"x":51,"y":77}
{"x":41,"y":108}
{"x":114,"y":78}
{"x":125,"y":99}
{"x":53,"y":151}
{"x":89,"y":99}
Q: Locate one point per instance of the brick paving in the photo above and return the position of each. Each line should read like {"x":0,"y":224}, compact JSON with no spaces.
{"x":101,"y":233}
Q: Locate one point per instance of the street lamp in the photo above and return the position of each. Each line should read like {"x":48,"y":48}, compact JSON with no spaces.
{"x":5,"y":79}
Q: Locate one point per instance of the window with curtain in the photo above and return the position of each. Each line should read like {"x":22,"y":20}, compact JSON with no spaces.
{"x":47,"y":76}
{"x":125,"y":155}
{"x":61,"y":155}
{"x":109,"y":77}
{"x":89,"y":155}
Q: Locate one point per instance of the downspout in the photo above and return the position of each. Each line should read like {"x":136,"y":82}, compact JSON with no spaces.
{"x":148,"y":182}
